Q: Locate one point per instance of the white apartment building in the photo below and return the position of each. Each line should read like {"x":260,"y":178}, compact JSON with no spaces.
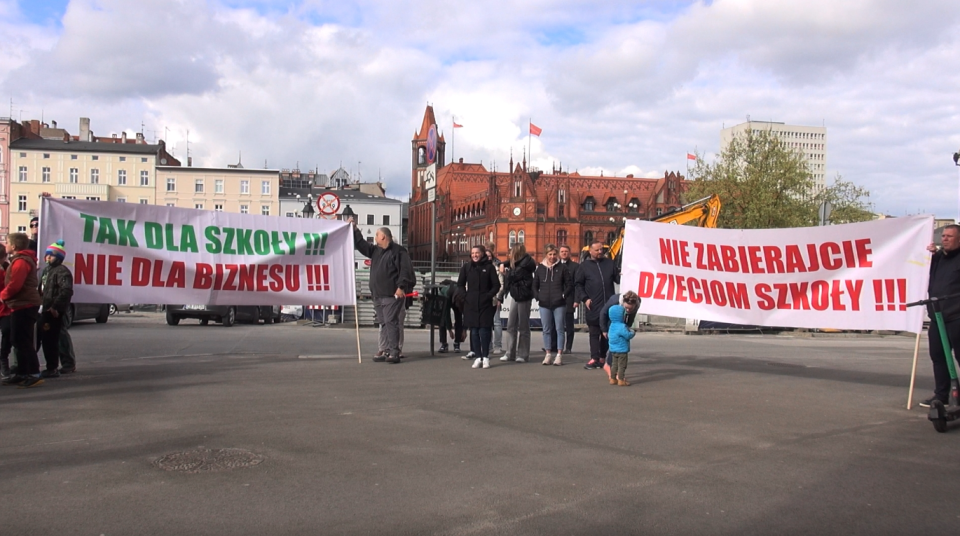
{"x":230,"y":189}
{"x":809,"y":141}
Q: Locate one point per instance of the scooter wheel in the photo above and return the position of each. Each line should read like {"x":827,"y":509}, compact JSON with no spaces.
{"x":940,"y":425}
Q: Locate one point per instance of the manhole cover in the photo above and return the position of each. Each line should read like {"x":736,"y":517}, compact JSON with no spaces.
{"x":208,"y":460}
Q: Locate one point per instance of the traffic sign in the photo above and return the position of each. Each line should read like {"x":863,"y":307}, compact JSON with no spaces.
{"x":328,"y":203}
{"x":432,"y":144}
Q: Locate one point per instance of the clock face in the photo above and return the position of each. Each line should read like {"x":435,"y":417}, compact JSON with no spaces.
{"x":516,"y":211}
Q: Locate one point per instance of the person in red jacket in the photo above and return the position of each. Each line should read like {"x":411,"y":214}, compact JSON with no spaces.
{"x":20,"y":294}
{"x":5,"y":345}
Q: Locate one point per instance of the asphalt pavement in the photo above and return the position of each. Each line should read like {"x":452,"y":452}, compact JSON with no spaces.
{"x":277,"y":429}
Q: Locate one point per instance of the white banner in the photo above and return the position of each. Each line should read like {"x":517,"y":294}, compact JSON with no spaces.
{"x":854,"y":276}
{"x":133,"y":253}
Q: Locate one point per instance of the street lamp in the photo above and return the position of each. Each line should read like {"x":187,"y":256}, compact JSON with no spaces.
{"x":308,"y":211}
{"x":348,"y":213}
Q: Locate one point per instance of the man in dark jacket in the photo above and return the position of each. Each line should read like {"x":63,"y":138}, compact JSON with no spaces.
{"x":56,"y":290}
{"x":391,"y":278}
{"x":594,"y":283}
{"x":568,"y":325}
{"x":944,"y":281}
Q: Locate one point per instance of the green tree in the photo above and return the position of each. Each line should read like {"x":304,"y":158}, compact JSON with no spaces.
{"x":763,"y":184}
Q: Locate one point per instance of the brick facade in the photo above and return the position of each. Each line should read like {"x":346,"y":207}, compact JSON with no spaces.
{"x":475,"y":205}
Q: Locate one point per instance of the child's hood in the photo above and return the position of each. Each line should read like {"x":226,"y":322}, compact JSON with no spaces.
{"x":616,"y":314}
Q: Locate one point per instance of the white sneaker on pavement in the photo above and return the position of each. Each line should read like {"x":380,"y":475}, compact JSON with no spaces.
{"x":486,"y":362}
{"x":470,"y":355}
{"x":546,"y":360}
{"x":477,"y":362}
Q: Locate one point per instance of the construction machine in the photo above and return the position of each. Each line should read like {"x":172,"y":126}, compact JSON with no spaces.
{"x":701,"y":213}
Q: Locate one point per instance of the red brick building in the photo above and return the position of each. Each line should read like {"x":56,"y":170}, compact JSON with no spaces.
{"x":475,"y":205}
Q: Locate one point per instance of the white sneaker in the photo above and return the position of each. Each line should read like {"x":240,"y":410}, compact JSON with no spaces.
{"x":559,"y":360}
{"x":498,"y":350}
{"x":505,"y":358}
{"x":486,"y":362}
{"x":520,"y":360}
{"x":546,"y":360}
{"x":470,"y":355}
{"x":477,"y":362}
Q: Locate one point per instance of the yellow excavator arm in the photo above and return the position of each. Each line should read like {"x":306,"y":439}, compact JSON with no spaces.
{"x":701,"y":213}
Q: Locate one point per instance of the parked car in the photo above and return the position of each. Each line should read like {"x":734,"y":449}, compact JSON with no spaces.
{"x":85,"y":311}
{"x":118,"y":307}
{"x":227,"y":315}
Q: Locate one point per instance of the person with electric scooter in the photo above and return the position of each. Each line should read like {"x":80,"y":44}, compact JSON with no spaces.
{"x":944,"y":281}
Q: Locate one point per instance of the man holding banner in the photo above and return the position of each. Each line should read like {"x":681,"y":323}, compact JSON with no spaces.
{"x":391,"y":279}
{"x":944,"y":281}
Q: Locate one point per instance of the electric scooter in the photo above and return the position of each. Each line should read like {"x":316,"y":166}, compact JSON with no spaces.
{"x":941,"y":413}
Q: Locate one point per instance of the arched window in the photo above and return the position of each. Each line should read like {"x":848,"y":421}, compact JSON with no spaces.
{"x":588,"y":238}
{"x":589,"y":204}
{"x":513,"y":239}
{"x":422,"y":156}
{"x":517,"y":190}
{"x":491,"y":237}
{"x":520,"y":238}
{"x":561,"y":237}
{"x":612,"y":205}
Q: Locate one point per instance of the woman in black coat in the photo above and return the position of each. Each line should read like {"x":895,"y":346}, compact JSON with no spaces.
{"x":479,"y":280}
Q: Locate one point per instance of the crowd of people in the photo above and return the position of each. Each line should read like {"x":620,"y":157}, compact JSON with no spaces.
{"x":473,"y":304}
{"x":32,"y":310}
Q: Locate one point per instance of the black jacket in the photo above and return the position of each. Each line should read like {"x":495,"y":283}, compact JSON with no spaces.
{"x":390,"y":268}
{"x":519,"y":278}
{"x":594,"y":282}
{"x":552,"y":285}
{"x":481,"y":284}
{"x":945,"y":281}
{"x":56,"y":287}
{"x":571,"y":268}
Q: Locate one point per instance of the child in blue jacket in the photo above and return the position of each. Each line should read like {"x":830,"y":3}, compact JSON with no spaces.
{"x":619,"y":336}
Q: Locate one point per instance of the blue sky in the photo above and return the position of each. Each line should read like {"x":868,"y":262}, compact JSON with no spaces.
{"x":618,"y":87}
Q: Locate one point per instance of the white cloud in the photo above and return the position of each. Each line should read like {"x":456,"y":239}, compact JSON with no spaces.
{"x":623,"y":88}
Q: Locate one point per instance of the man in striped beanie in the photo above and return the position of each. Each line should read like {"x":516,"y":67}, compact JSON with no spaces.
{"x":56,"y":289}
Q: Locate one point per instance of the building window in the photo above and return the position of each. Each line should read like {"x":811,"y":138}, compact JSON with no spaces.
{"x":218,"y":186}
{"x":143,"y":159}
{"x":69,"y":197}
{"x":123,"y":158}
{"x":46,"y":155}
{"x":22,"y":177}
{"x":611,"y":236}
{"x":421,"y":156}
{"x":144,"y":201}
{"x":74,"y":175}
{"x":218,"y":208}
{"x":264,"y":210}
{"x":93,"y":198}
{"x":561,"y":237}
{"x":144,"y":178}
{"x":291,"y":215}
{"x":45,"y":174}
{"x":121,"y":200}
{"x":198,"y":206}
{"x":244,"y":209}
{"x":588,"y":238}
{"x":73,"y":157}
{"x":171,"y":184}
{"x":611,"y":205}
{"x":370,"y":219}
{"x":634,"y":206}
{"x":513,"y":239}
{"x":561,"y":211}
{"x":386,"y":219}
{"x":122,"y":177}
{"x":95,"y":157}
{"x":94,"y":176}
{"x":23,"y":155}
{"x":244,"y":187}
{"x":22,"y":203}
{"x":198,"y":186}
{"x":589,"y":204}
{"x":659,"y":211}
{"x":265,"y":187}
{"x":21,"y":229}
{"x":517,"y":190}
{"x":561,"y":196}
{"x":171,"y":204}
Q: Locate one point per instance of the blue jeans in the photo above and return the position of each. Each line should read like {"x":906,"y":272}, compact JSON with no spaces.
{"x":553,"y":327}
{"x":480,"y":341}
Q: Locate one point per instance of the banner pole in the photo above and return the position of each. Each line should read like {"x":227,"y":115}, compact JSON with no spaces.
{"x":913,"y":373}
{"x":356,"y":322}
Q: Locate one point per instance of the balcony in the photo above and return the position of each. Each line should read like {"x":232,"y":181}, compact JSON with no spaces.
{"x":100,"y":190}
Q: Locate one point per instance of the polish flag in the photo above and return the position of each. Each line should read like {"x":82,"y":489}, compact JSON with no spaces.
{"x":691,"y":156}
{"x":535,"y":130}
